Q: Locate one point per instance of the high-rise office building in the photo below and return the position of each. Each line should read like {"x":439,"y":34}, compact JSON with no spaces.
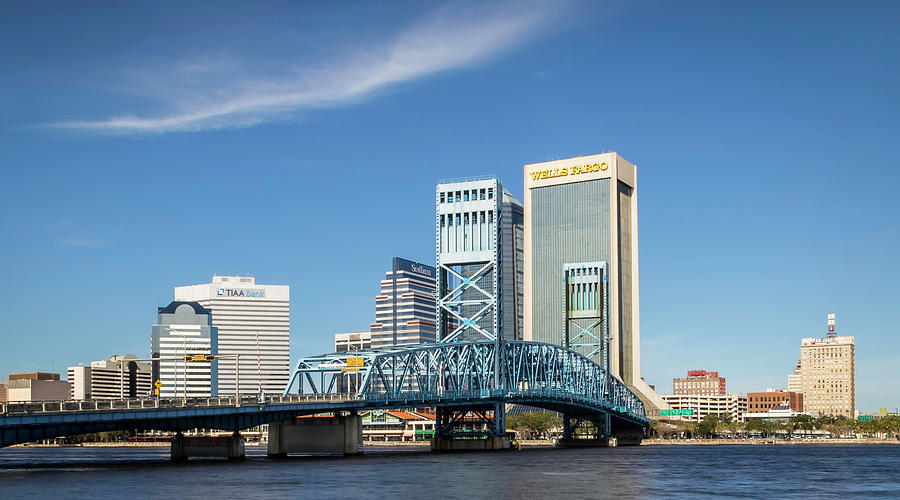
{"x":184,"y":329}
{"x":119,"y":376}
{"x":827,"y":373}
{"x":699,"y":382}
{"x":404,"y":310}
{"x":480,"y":258}
{"x":254,"y":322}
{"x":581,"y":262}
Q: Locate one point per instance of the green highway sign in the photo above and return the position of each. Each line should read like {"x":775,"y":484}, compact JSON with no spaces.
{"x":865,"y":418}
{"x":673,"y":413}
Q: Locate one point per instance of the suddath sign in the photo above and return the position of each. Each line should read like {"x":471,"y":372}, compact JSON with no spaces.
{"x":567,"y":171}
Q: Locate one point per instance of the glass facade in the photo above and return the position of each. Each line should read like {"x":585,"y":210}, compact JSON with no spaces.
{"x":569,"y":223}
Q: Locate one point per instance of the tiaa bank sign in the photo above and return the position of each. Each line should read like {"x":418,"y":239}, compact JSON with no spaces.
{"x":241,"y":292}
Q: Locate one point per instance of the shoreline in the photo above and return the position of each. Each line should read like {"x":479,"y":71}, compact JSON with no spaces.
{"x":761,"y":441}
{"x":530,"y":443}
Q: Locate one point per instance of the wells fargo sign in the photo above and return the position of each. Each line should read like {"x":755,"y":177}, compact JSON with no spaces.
{"x":567,"y":171}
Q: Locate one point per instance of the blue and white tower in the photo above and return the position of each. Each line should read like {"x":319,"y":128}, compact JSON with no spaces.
{"x":479,"y":254}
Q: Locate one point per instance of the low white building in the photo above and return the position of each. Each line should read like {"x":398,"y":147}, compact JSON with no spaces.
{"x":37,"y":386}
{"x":119,"y":376}
{"x":733,"y":405}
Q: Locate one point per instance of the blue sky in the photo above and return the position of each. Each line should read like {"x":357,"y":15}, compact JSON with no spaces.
{"x":149,"y":145}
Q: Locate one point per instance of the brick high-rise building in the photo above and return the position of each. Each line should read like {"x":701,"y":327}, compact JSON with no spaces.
{"x":699,"y":382}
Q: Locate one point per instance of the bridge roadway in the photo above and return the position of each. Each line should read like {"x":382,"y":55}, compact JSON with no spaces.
{"x":454,"y":375}
{"x":28,"y":422}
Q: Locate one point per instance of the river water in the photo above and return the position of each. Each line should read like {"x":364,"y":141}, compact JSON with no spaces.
{"x":732,"y":471}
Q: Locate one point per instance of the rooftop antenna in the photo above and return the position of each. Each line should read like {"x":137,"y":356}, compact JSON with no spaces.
{"x":831,"y":328}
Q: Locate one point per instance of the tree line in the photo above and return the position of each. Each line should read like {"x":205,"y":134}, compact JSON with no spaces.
{"x":887,"y":427}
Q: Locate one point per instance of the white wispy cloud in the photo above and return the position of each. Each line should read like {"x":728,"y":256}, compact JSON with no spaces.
{"x":217,"y":94}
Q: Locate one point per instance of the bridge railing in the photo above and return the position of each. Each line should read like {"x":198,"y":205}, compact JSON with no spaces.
{"x":153,"y":403}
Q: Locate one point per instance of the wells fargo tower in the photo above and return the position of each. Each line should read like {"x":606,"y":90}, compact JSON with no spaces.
{"x":581,"y":262}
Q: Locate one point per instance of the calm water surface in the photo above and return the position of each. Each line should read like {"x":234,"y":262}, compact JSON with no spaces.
{"x":807,"y":471}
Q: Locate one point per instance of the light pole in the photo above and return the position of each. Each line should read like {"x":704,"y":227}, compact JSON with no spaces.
{"x":121,"y":379}
{"x":237,"y":378}
{"x":184,"y":368}
{"x":258,"y":365}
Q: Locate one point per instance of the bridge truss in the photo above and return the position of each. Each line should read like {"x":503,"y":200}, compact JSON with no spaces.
{"x":477,"y":378}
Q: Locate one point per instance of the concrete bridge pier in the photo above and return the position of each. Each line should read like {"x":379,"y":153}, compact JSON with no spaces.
{"x":586,"y":431}
{"x":487,"y":432}
{"x":230,"y":447}
{"x":341,"y":434}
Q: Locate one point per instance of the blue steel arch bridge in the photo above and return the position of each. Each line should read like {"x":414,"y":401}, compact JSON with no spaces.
{"x":458,"y":378}
{"x":478,"y":378}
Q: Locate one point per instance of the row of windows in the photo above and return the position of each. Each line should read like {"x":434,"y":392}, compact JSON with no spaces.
{"x":470,"y":231}
{"x":467,"y":195}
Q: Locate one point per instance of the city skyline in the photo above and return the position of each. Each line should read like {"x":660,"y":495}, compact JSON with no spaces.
{"x":748,"y":235}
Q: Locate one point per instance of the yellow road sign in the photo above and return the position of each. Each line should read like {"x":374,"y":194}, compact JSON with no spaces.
{"x":355,"y":362}
{"x":156,"y":391}
{"x":158,"y":384}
